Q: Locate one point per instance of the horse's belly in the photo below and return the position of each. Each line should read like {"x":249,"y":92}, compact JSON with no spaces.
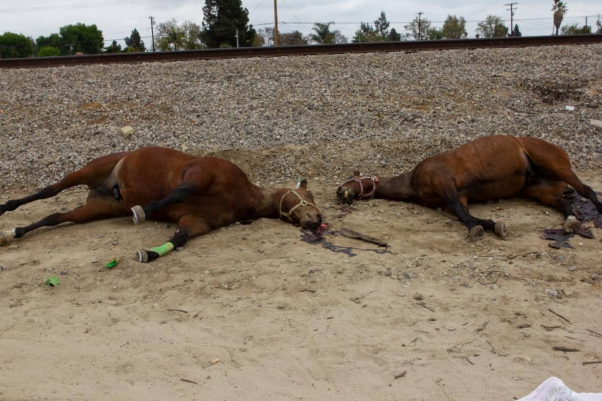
{"x":501,"y":189}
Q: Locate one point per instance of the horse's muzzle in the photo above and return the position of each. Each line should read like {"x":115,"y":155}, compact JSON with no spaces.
{"x":311,"y":222}
{"x":346,"y":195}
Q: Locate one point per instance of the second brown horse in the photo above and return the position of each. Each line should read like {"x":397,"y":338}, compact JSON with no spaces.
{"x":199,"y":193}
{"x":486,"y":169}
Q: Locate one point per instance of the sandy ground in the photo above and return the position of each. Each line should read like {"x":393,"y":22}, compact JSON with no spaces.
{"x":252,"y":312}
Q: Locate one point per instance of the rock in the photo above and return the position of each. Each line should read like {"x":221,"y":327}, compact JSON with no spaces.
{"x":573,"y":268}
{"x":127,"y":131}
{"x":388,"y":273}
{"x":494,"y":287}
{"x":596,"y":123}
{"x":64,"y":272}
{"x":409,"y":276}
{"x":418,"y":297}
{"x":552,"y":293}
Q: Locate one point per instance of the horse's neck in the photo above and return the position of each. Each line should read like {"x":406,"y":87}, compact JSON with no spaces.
{"x":267,"y":202}
{"x":395,"y":188}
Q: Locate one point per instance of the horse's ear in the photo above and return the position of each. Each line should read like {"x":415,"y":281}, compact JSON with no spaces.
{"x":356,"y":173}
{"x":301,"y":183}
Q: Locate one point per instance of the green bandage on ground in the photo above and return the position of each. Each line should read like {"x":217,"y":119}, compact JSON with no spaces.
{"x":163,"y":249}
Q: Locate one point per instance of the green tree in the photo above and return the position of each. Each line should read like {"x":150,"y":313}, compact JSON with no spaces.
{"x":113,"y":48}
{"x":192,"y":36}
{"x":435,"y":34}
{"x":322,"y":34}
{"x":53,"y":40}
{"x":80,"y":38}
{"x":49,"y":51}
{"x":394,"y":36}
{"x":419,"y":29}
{"x":366,"y":33}
{"x":559,"y":8}
{"x":575,"y":30}
{"x":492,"y":27}
{"x":454,"y":28}
{"x":221,"y":20}
{"x":517,"y":32}
{"x":13,"y":45}
{"x":292,"y":39}
{"x":134,"y":43}
{"x":381,"y":25}
{"x":170,"y":36}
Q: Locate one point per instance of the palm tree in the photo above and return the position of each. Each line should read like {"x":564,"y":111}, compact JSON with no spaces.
{"x":323,"y":33}
{"x":559,"y":9}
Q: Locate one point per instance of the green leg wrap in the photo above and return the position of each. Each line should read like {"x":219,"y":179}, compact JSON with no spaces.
{"x":163,"y":249}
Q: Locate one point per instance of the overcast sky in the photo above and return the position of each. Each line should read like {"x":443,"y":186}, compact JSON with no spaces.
{"x":116,"y":18}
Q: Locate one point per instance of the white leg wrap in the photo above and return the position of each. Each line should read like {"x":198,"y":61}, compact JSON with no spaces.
{"x":6,"y":237}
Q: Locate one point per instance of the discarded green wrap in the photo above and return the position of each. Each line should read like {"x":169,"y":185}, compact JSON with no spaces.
{"x":52,"y":281}
{"x":114,"y":262}
{"x":163,"y":249}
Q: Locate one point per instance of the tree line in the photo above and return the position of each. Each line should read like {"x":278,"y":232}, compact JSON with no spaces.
{"x":226,"y":24}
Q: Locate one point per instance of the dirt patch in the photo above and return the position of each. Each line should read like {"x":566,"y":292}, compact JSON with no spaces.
{"x":253,"y":312}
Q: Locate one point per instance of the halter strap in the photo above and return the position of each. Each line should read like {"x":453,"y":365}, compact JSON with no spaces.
{"x":302,"y":202}
{"x":370,"y":195}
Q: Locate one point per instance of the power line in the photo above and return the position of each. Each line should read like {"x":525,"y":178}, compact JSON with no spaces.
{"x":308,"y":30}
{"x":263,"y":1}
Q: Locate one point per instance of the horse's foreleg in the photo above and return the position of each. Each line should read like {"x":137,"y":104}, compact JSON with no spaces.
{"x":188,"y":227}
{"x":95,"y":209}
{"x":475,"y":225}
{"x":92,"y":175}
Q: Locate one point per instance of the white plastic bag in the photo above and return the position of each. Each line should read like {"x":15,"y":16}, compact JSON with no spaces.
{"x":554,"y":389}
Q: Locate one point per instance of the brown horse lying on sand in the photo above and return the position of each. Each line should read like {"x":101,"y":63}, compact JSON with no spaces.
{"x":486,"y":169}
{"x":199,"y":193}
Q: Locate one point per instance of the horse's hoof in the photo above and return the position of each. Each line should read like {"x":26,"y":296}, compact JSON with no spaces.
{"x":571,"y":224}
{"x":500,"y":230}
{"x":139,"y":215}
{"x":476,"y":233}
{"x":142,"y":256}
{"x":6,"y":237}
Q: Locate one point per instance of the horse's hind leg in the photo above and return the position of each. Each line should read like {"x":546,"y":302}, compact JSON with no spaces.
{"x":553,"y":163}
{"x":550,"y":194}
{"x":92,"y":175}
{"x":95,"y":209}
{"x":584,"y":190}
{"x":189,"y":185}
{"x":188,"y":227}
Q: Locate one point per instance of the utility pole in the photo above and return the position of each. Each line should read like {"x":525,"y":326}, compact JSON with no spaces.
{"x":511,"y":5}
{"x":419,"y":27}
{"x":276,"y":39}
{"x":236,"y":37}
{"x":152,"y":19}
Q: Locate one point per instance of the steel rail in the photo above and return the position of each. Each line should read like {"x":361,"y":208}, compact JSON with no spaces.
{"x":276,"y":51}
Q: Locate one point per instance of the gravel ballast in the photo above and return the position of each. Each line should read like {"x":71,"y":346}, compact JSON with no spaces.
{"x":320,"y":116}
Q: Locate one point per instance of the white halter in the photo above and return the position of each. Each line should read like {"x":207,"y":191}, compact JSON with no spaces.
{"x":302,"y":202}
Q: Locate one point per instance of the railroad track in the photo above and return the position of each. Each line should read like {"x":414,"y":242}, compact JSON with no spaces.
{"x":272,"y":51}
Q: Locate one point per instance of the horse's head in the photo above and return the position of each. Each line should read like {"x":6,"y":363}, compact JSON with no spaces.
{"x":357,"y":187}
{"x":298,"y":206}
